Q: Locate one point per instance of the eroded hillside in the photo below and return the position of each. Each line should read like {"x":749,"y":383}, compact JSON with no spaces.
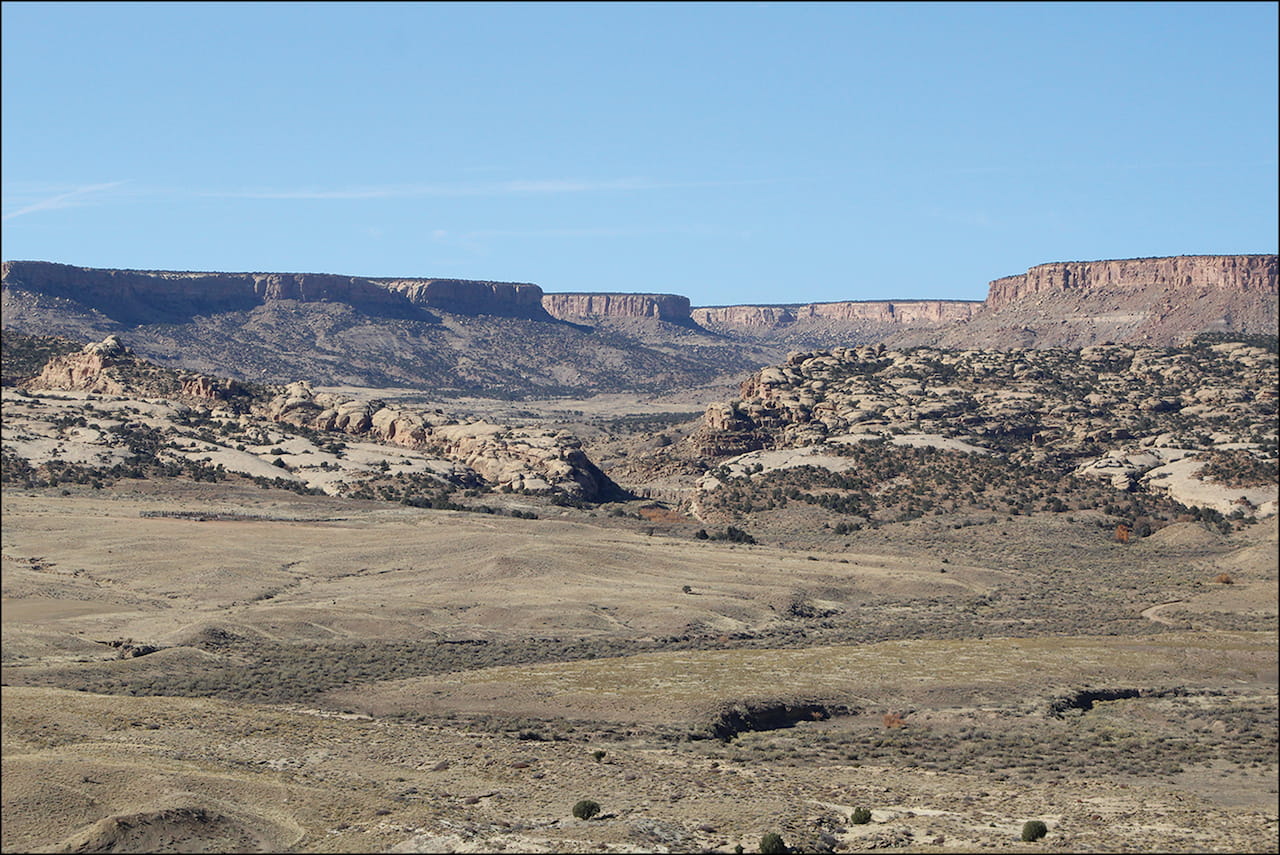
{"x":453,"y":337}
{"x":512,"y":340}
{"x":853,"y":438}
{"x":102,"y":414}
{"x":1141,"y":301}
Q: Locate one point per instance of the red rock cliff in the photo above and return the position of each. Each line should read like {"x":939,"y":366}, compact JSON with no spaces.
{"x":1252,"y":273}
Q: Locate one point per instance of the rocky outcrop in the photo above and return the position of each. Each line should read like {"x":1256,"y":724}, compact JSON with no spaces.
{"x":110,"y":347}
{"x":212,"y":389}
{"x":1243,"y":273}
{"x":1113,"y":411}
{"x":662,"y":307}
{"x":84,"y":371}
{"x":479,"y":452}
{"x":891,"y":313}
{"x":108,"y":367}
{"x":506,"y":458}
{"x":136,"y":297}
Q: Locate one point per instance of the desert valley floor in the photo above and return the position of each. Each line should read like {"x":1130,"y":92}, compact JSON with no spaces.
{"x":341,"y":675}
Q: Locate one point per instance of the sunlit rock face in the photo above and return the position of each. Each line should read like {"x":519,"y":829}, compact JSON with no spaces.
{"x":663,"y":307}
{"x":1226,"y":272}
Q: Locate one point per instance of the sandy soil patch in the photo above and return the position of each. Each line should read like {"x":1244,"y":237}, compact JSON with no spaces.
{"x":1178,"y":478}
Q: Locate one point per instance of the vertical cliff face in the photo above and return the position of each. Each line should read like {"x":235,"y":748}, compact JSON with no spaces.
{"x":906,"y":313}
{"x":470,"y":297}
{"x":663,"y":307}
{"x":1066,"y":304}
{"x":1240,"y":273}
{"x":318,"y":288}
{"x":745,"y":317}
{"x":1153,"y":301}
{"x":134,"y":297}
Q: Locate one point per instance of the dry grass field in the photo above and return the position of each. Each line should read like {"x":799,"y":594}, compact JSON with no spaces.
{"x":285,"y":672}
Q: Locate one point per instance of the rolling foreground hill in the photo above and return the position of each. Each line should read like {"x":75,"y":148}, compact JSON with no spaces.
{"x":894,"y":597}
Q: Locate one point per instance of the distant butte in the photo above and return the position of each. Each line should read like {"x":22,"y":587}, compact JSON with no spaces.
{"x":462,"y":336}
{"x":1243,"y":273}
{"x":151,"y":296}
{"x":1153,"y":301}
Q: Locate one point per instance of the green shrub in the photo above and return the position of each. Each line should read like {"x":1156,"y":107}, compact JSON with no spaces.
{"x":586,"y":809}
{"x":860,"y":816}
{"x":772,"y":844}
{"x":1033,"y":830}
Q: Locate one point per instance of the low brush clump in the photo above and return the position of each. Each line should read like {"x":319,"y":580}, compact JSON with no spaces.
{"x":1033,"y":830}
{"x":772,"y":844}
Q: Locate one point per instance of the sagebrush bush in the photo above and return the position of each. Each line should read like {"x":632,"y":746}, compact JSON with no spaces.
{"x":586,"y":809}
{"x":860,"y":816}
{"x":1033,"y":830}
{"x":772,"y":844}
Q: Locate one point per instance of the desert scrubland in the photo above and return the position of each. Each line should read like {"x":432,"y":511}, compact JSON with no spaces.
{"x":906,"y":597}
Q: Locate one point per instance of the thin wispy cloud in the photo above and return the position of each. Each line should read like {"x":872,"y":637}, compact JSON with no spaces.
{"x":72,"y":198}
{"x":495,"y":188}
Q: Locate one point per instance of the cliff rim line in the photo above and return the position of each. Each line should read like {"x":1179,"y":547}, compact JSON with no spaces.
{"x":153,"y":295}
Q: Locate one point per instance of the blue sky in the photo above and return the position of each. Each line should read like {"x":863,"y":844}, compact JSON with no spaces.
{"x":731,"y":152}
